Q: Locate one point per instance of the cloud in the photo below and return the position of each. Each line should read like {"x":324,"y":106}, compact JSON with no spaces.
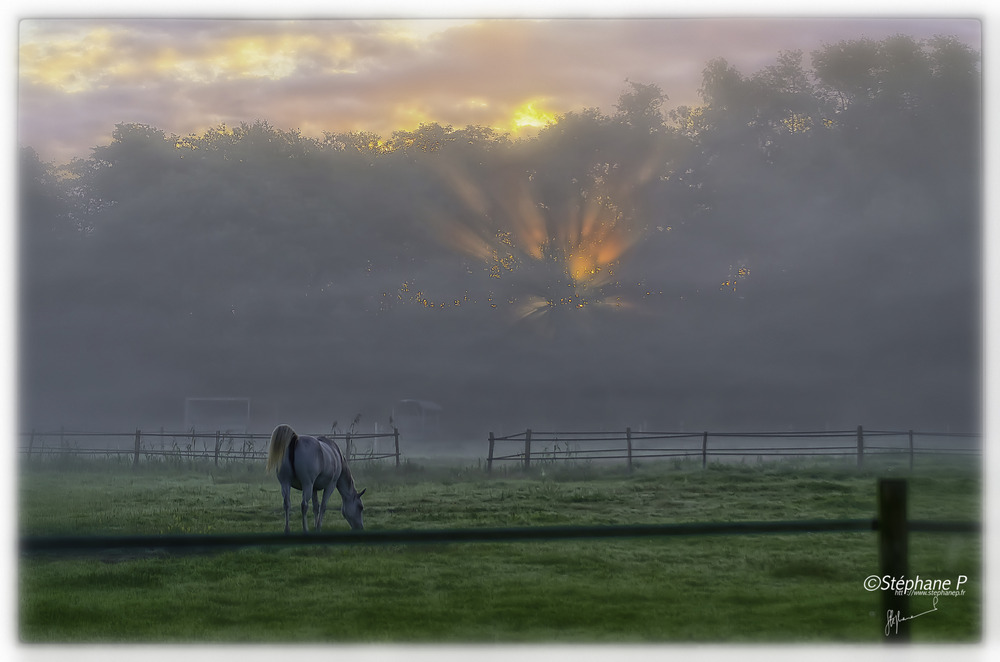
{"x":80,"y":77}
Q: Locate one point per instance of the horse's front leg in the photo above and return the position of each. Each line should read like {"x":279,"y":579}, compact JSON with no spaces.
{"x":317,"y":512}
{"x":322,"y":507}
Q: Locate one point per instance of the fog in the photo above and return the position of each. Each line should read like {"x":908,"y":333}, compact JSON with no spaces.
{"x":799,"y":251}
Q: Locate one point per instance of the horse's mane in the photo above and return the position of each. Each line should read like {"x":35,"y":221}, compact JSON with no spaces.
{"x":345,"y":471}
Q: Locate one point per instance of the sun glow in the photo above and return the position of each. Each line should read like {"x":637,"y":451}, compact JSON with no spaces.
{"x":530,"y":115}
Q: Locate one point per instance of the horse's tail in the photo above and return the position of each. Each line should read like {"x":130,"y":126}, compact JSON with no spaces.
{"x":280,"y":438}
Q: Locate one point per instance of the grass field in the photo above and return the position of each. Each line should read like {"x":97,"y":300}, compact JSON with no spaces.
{"x":803,"y":588}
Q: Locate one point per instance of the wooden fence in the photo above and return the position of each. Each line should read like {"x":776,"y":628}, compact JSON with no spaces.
{"x":530,"y":446}
{"x":214,"y":446}
{"x":524,"y":448}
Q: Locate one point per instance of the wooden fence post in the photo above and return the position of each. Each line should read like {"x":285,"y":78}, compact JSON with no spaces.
{"x":704,"y":450}
{"x":911,"y":450}
{"x":527,"y":449}
{"x":861,"y":447}
{"x":395,"y":437}
{"x":218,"y":443}
{"x":892,"y":548}
{"x":135,"y":458}
{"x":628,"y":441}
{"x":347,"y":444}
{"x":489,"y":458}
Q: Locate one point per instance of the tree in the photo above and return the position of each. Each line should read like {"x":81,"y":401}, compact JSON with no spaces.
{"x":45,"y":204}
{"x":900,"y":101}
{"x":641,"y":107}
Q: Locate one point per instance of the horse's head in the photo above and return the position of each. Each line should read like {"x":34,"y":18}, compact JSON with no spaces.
{"x":353,"y":510}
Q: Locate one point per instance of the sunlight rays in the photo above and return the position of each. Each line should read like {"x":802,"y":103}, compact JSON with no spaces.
{"x":538,"y":258}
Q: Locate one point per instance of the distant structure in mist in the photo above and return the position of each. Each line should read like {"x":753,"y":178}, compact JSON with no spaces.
{"x":217,"y":414}
{"x":419,"y":420}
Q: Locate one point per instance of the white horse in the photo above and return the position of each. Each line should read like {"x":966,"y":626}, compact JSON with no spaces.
{"x":312,"y":464}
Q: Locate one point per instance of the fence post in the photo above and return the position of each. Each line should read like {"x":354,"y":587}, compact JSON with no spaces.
{"x":218,"y":442}
{"x":489,"y":458}
{"x":628,"y":441}
{"x":347,"y":444}
{"x":704,"y":450}
{"x":527,"y":448}
{"x":892,"y":548}
{"x":135,"y":458}
{"x":861,"y":447}
{"x":395,"y":437}
{"x":911,"y":450}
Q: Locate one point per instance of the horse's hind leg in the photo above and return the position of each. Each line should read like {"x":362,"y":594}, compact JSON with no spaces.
{"x":306,"y":492}
{"x":286,"y":500}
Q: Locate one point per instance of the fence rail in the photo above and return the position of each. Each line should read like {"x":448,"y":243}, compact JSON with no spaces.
{"x":631,"y":445}
{"x":524,"y":447}
{"x":216,"y":446}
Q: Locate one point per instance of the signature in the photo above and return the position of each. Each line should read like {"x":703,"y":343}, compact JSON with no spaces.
{"x":893,"y":619}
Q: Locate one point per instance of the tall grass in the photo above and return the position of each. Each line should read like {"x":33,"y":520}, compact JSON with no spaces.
{"x":763,"y":588}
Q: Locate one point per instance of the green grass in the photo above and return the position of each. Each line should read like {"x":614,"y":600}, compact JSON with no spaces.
{"x":751,"y":588}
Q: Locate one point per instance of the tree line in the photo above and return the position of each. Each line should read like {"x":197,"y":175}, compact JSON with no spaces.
{"x":800,"y":214}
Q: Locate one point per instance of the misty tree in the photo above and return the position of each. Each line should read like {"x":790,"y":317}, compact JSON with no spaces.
{"x":641,"y":107}
{"x":368,"y":143}
{"x":900,"y":99}
{"x":46,"y":203}
{"x":53,"y":234}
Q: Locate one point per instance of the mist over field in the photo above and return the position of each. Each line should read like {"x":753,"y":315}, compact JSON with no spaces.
{"x":801,"y":249}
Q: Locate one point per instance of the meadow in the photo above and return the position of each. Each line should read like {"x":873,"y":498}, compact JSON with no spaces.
{"x":770,"y":588}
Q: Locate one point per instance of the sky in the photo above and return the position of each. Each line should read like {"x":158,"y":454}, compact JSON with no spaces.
{"x":79,"y":77}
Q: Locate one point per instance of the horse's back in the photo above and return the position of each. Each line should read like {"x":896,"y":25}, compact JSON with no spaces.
{"x":315,"y":461}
